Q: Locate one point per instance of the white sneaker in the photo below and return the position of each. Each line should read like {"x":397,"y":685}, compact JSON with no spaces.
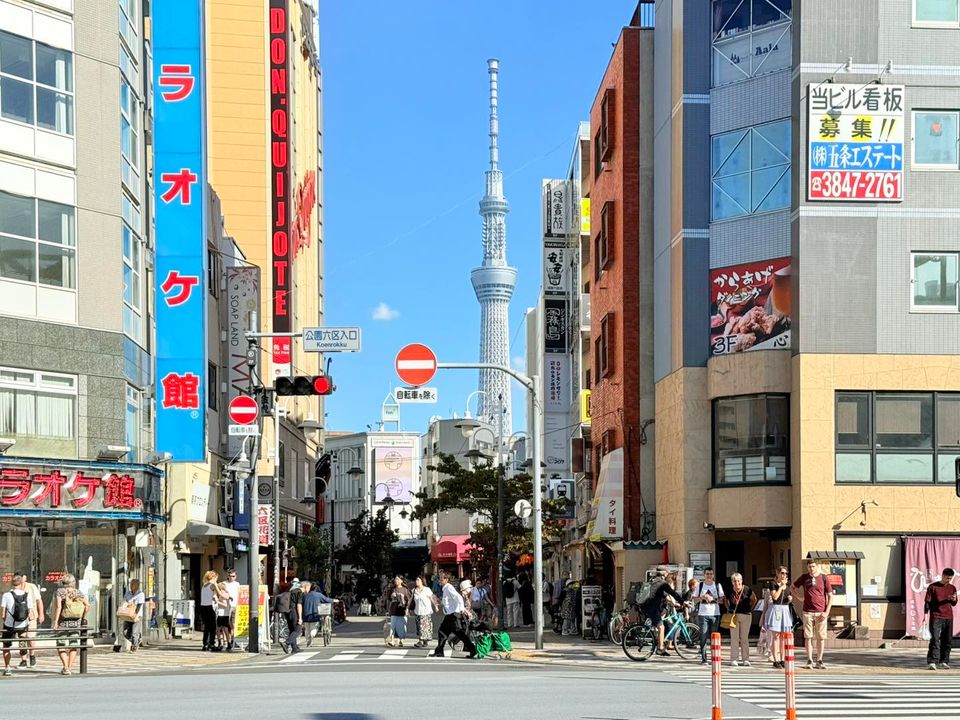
{"x":734,"y":663}
{"x":932,"y":666}
{"x":745,"y":663}
{"x":809,"y":665}
{"x":944,"y":666}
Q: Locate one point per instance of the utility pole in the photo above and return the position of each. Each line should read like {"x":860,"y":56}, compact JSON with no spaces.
{"x":253,"y":530}
{"x":532,"y":384}
{"x":277,"y":460}
{"x":501,"y":601}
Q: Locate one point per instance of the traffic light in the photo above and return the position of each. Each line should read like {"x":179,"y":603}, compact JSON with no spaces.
{"x":304,"y":385}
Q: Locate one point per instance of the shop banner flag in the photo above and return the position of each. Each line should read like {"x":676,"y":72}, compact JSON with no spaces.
{"x":926,"y":557}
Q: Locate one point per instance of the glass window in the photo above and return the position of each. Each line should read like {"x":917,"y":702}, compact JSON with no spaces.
{"x":854,"y":467}
{"x":751,"y":170}
{"x":853,"y":420}
{"x":936,"y":11}
{"x":36,"y":84}
{"x":37,"y":240}
{"x":132,"y":423}
{"x":936,"y":139}
{"x":132,"y":272}
{"x":904,"y":421}
{"x":904,"y":467}
{"x":934,"y":281}
{"x":39,"y":412}
{"x":751,"y":438}
{"x":213,"y":386}
{"x":750,"y":37}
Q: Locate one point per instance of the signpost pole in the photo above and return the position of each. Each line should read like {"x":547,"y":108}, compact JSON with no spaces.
{"x":253,"y":529}
{"x":276,"y":497}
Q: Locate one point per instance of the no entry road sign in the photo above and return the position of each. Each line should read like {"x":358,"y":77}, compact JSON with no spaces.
{"x":416,"y":364}
{"x":243,"y":410}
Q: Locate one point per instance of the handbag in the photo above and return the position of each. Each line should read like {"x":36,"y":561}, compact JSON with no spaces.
{"x":728,"y":621}
{"x":127,"y":612}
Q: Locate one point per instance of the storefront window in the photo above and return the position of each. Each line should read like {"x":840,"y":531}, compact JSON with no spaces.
{"x":910,"y":438}
{"x":751,"y":440}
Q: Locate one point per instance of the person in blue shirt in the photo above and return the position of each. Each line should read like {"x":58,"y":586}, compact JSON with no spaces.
{"x":311,"y":611}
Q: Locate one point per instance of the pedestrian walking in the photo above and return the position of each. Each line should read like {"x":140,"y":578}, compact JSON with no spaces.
{"x":511,"y":596}
{"x":739,"y":603}
{"x":70,"y":609}
{"x":454,"y":623}
{"x":129,"y":617}
{"x":707,"y":597}
{"x":15,"y":607}
{"x":223,"y":609}
{"x":209,"y":599}
{"x":424,"y":604}
{"x":233,"y":590}
{"x":568,"y":608}
{"x":398,"y":606}
{"x":36,"y":620}
{"x":939,"y":602}
{"x":526,"y":595}
{"x":817,"y":601}
{"x":778,"y":614}
{"x":294,"y":619}
{"x":312,"y":619}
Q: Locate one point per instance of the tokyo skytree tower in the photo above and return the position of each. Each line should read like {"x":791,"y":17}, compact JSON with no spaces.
{"x":493,"y":282}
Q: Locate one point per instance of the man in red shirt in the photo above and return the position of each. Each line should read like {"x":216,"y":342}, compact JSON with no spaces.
{"x":939,"y":603}
{"x":817,"y":601}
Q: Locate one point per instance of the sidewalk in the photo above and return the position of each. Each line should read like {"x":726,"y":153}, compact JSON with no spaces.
{"x":574,"y":650}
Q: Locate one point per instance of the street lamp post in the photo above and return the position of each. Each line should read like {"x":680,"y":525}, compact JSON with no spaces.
{"x":355,"y":471}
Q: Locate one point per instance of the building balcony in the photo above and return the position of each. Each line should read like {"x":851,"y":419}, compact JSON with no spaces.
{"x":750,"y":507}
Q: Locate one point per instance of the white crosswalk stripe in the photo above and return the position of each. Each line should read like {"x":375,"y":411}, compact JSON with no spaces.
{"x":842,"y":697}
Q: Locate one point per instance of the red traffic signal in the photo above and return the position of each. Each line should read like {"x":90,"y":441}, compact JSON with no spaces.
{"x":304,"y":385}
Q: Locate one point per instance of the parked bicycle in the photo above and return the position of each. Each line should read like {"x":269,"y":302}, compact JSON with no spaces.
{"x":640,"y":640}
{"x":621,"y":620}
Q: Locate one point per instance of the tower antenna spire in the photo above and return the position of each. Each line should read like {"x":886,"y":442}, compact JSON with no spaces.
{"x":493,"y":67}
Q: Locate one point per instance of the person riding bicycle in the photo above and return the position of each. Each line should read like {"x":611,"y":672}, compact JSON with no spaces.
{"x":654,"y":606}
{"x":311,"y":611}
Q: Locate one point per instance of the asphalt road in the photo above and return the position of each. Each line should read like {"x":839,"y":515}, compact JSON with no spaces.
{"x":398,"y":691}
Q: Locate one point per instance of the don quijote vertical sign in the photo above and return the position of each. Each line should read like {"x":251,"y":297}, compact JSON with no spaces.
{"x":281,"y":249}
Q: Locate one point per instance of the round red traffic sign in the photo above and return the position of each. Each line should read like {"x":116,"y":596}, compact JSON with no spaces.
{"x":416,"y":364}
{"x":243,"y":410}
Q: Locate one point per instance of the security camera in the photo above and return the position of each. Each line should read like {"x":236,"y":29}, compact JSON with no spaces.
{"x":709,"y":526}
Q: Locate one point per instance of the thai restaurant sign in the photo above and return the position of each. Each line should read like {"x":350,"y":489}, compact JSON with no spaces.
{"x":855,"y":142}
{"x":606,"y":511}
{"x":750,"y":307}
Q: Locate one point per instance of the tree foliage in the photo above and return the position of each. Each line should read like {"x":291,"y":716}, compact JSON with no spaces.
{"x":313,"y":554}
{"x":369,"y":545}
{"x":475,"y":491}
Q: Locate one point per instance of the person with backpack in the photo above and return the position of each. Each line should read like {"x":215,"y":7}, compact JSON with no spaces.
{"x":511,"y":597}
{"x":15,"y":606}
{"x":707,"y":596}
{"x":69,"y":611}
{"x":652,"y":606}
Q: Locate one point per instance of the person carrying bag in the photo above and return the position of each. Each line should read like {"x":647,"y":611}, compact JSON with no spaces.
{"x":737,"y":619}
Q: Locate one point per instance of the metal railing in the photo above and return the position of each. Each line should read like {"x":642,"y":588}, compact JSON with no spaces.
{"x":47,"y":639}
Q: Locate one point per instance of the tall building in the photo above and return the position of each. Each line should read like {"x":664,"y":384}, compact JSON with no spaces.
{"x":76,"y":268}
{"x":807,"y":323}
{"x":493,"y":282}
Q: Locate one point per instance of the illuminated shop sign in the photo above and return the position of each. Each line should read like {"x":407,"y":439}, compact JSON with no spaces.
{"x":78,"y":490}
{"x":280,"y":186}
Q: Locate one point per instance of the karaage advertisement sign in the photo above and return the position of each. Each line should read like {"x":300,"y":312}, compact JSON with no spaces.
{"x":750,"y":307}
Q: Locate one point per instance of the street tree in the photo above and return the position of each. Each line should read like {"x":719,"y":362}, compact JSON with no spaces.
{"x":474,"y":490}
{"x":369,"y":549}
{"x":313,"y":554}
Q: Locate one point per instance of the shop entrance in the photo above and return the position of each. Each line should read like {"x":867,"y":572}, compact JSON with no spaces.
{"x":46,"y":551}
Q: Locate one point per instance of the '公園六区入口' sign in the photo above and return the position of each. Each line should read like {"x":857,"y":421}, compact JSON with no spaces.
{"x":855,"y":142}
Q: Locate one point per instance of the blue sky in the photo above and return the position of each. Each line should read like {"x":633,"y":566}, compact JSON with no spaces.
{"x":405,"y":93}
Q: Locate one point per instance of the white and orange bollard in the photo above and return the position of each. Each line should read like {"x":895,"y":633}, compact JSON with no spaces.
{"x":716,"y":663}
{"x":790,"y":675}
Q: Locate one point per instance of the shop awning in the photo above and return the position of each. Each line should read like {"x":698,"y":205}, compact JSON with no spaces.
{"x":606,"y":510}
{"x":195,"y":528}
{"x":451,"y":548}
{"x":835,"y":555}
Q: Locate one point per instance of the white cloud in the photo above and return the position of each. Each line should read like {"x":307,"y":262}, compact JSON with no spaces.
{"x":519,"y":363}
{"x":385,"y":312}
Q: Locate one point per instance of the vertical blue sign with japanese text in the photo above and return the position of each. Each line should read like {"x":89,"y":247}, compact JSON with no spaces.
{"x":180,"y":183}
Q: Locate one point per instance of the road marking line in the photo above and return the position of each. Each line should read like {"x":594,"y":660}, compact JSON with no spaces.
{"x":393,"y":654}
{"x":299,"y":657}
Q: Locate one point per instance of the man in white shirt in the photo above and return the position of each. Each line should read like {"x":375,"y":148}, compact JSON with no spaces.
{"x":36,"y":619}
{"x":707,"y":596}
{"x":454,"y":620}
{"x":511,"y":593}
{"x":233,"y":590}
{"x":15,"y":609}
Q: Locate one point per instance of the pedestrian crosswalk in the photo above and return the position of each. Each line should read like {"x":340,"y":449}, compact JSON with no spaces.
{"x":821,"y":696}
{"x":329,"y":655}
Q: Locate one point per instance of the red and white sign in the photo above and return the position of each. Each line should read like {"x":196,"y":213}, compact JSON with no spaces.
{"x":416,"y":364}
{"x":243,"y":410}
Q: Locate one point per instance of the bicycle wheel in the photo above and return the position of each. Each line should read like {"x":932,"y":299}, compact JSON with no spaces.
{"x":327,"y":631}
{"x":686,"y":641}
{"x":639,"y":642}
{"x":617,"y":626}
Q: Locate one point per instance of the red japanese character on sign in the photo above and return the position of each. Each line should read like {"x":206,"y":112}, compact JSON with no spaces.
{"x":119,"y":492}
{"x":180,"y":183}
{"x":87,"y":485}
{"x":181,"y":391}
{"x":183,"y":286}
{"x":14,"y":479}
{"x":51,"y":488}
{"x":177,"y":77}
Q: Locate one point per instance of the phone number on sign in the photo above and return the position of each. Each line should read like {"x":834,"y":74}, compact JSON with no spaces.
{"x":849,"y":185}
